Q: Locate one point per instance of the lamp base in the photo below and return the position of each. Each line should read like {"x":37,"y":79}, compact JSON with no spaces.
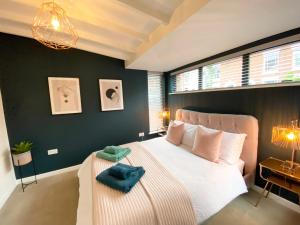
{"x":290,"y":166}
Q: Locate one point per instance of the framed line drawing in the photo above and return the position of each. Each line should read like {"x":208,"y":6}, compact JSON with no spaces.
{"x":64,"y":95}
{"x":111,"y":94}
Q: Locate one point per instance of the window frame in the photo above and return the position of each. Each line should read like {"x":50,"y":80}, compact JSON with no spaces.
{"x":163,"y":100}
{"x":265,"y":55}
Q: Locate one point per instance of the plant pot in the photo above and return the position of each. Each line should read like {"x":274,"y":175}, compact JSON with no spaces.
{"x":22,"y":159}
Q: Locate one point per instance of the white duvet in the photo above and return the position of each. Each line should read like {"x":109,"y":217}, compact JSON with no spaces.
{"x":211,"y":186}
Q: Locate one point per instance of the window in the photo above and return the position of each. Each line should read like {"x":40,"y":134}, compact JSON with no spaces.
{"x":225,"y":74}
{"x":264,"y":67}
{"x":156,"y":98}
{"x":296,"y":57}
{"x":273,"y":66}
{"x":271,"y":61}
{"x":187,"y":81}
{"x":211,"y":76}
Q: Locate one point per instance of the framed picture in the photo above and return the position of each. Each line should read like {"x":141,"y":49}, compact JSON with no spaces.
{"x":111,"y":94}
{"x":64,"y":95}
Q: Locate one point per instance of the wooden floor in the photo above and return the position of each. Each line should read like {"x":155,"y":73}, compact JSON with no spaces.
{"x":53,"y":201}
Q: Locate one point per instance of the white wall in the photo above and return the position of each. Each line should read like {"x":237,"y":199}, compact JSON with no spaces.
{"x":7,"y":176}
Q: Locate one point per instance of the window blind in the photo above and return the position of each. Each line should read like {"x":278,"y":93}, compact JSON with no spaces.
{"x":222,"y":75}
{"x":156,"y":100}
{"x":275,"y":65}
{"x":187,"y":81}
{"x":219,"y":75}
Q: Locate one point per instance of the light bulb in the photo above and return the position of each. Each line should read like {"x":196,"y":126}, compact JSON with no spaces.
{"x":55,"y":22}
{"x":291,"y":136}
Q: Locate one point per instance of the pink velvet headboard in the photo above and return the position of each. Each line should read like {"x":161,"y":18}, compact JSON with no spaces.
{"x":230,"y":123}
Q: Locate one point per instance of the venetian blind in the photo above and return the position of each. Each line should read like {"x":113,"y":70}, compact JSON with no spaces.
{"x":275,"y":65}
{"x":219,"y":75}
{"x":225,"y":74}
{"x":156,"y":100}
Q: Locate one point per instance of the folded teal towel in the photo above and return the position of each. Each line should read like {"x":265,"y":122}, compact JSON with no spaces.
{"x":118,"y":184}
{"x":113,"y":157}
{"x":122,"y":171}
{"x":113,"y":149}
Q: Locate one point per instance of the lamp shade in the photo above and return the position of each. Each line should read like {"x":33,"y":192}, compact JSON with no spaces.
{"x":286,"y":137}
{"x":52,"y":28}
{"x":164,"y":114}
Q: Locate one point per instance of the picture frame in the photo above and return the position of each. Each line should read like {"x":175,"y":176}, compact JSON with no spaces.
{"x":64,"y":95}
{"x":111,"y":94}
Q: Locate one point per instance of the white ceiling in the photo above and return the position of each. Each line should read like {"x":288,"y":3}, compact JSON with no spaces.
{"x":219,"y":26}
{"x":109,"y":27}
{"x":161,"y":35}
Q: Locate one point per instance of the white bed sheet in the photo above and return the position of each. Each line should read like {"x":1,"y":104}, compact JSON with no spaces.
{"x":211,"y":186}
{"x":241,"y":165}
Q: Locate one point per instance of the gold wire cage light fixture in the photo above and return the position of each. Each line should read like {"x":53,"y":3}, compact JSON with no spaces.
{"x":288,"y":137}
{"x":52,"y":27}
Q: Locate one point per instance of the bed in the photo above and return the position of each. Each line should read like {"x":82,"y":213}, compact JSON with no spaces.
{"x":210,"y":186}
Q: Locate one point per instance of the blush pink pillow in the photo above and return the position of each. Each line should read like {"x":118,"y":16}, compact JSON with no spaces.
{"x":175,"y":133}
{"x":207,"y":144}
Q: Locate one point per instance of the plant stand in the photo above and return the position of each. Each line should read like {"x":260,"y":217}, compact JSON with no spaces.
{"x":25,"y":185}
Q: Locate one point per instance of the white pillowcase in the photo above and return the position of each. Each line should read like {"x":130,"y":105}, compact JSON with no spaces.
{"x":189,"y":134}
{"x":231,"y":146}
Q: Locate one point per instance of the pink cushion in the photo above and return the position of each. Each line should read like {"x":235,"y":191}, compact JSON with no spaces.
{"x":207,"y":144}
{"x":231,"y":145}
{"x":175,"y":132}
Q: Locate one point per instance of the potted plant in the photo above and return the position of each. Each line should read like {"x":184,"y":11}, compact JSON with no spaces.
{"x":21,"y":153}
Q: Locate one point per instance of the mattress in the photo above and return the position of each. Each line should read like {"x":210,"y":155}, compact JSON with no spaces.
{"x":211,"y":186}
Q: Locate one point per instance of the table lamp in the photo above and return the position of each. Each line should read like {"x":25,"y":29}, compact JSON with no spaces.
{"x":165,"y":115}
{"x":288,"y":137}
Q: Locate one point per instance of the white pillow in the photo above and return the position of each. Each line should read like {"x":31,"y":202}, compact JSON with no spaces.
{"x":189,"y":134}
{"x":231,"y":146}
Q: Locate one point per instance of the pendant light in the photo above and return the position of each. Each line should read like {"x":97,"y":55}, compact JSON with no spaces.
{"x":52,"y":28}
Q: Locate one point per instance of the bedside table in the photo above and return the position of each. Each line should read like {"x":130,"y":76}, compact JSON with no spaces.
{"x":278,"y":175}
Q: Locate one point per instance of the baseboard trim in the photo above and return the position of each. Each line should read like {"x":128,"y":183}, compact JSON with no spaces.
{"x":279,"y":199}
{"x":49,"y":174}
{"x":6,"y":195}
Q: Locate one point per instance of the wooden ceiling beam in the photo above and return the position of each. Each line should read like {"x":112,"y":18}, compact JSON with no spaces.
{"x":146,"y":10}
{"x":114,"y":28}
{"x":186,"y":9}
{"x":24,"y":29}
{"x":17,"y":20}
{"x":97,"y":22}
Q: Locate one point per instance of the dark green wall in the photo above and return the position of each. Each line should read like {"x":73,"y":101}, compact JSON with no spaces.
{"x":25,"y":66}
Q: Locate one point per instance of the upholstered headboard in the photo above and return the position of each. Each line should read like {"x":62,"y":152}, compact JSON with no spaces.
{"x":234,"y":124}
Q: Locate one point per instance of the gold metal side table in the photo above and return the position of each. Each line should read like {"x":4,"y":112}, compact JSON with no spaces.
{"x":278,"y":175}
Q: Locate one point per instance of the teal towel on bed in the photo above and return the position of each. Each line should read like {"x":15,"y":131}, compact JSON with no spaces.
{"x":119,"y":184}
{"x":113,"y":157}
{"x":122,"y":171}
{"x":113,"y":149}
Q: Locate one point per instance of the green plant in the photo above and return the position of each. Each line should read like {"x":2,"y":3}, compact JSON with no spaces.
{"x":291,"y":77}
{"x":23,"y":146}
